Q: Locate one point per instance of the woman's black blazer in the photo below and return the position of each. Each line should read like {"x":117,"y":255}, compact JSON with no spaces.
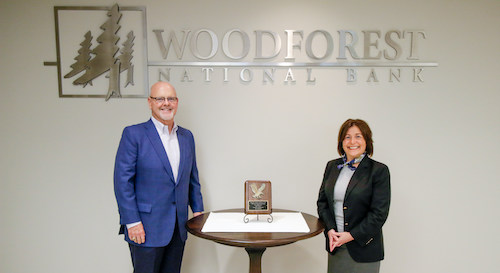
{"x":366,"y":206}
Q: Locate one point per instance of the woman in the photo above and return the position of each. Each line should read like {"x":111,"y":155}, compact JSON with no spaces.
{"x":353,"y":202}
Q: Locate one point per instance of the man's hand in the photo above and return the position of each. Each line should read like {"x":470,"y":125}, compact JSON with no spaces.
{"x":197,"y":214}
{"x":137,"y":234}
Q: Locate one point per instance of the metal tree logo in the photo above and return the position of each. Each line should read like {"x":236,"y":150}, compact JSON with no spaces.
{"x":112,"y":56}
{"x":104,"y":56}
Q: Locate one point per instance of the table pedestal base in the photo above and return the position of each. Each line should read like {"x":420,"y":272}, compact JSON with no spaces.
{"x":255,"y":255}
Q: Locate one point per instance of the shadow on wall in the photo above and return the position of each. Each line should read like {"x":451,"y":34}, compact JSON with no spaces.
{"x":238,"y":261}
{"x":296,"y":257}
{"x":200,"y":256}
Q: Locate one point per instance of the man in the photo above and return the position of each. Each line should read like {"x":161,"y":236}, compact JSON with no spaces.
{"x":155,"y":181}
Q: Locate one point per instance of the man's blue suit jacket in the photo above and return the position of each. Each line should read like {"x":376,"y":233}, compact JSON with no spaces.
{"x":145,"y":188}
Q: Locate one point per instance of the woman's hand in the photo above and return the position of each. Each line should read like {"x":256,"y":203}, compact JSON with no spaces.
{"x":332,"y":239}
{"x":337,"y":239}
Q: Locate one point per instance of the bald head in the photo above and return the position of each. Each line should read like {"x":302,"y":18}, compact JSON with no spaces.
{"x":162,"y":86}
{"x":163,"y":103}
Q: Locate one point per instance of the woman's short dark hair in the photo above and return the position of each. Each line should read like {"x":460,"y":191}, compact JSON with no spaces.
{"x":365,"y":131}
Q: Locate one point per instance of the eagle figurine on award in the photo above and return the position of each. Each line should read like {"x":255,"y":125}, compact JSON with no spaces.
{"x":258,"y":199}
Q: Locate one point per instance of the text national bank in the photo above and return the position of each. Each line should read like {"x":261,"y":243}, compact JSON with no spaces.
{"x":289,"y":56}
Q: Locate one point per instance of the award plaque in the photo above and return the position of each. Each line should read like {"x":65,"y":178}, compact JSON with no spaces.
{"x":258,"y":197}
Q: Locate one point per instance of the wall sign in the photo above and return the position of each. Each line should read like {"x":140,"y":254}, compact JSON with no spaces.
{"x":103,"y":52}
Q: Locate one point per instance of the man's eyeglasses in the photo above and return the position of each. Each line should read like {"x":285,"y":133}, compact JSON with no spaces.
{"x":162,"y":99}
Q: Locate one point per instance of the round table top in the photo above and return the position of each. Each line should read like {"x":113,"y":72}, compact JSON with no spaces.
{"x":254,"y":239}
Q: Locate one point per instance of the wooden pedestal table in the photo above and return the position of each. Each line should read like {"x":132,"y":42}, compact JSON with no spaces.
{"x":255,"y":243}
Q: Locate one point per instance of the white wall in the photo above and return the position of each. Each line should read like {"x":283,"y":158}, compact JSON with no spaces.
{"x":439,"y":138}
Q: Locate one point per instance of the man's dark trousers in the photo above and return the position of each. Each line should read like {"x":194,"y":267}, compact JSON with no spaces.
{"x":165,"y":259}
